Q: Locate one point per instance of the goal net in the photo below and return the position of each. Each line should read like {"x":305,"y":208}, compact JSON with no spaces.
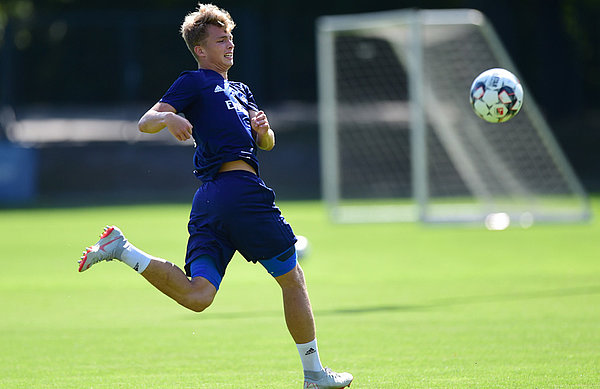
{"x":400,"y":142}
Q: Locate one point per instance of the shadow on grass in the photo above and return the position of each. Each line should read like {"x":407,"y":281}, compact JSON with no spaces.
{"x":518,"y":296}
{"x":438,"y":303}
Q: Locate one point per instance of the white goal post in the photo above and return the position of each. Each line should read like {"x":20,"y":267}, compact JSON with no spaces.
{"x":399,"y":140}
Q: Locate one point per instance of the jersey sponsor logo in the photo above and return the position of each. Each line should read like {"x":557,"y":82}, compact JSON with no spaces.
{"x":219,"y":89}
{"x":232,"y":104}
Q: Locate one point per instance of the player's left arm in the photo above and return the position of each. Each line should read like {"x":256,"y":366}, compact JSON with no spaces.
{"x":265,"y":137}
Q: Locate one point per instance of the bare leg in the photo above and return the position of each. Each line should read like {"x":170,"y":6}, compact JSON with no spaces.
{"x":296,"y":305}
{"x":196,"y":294}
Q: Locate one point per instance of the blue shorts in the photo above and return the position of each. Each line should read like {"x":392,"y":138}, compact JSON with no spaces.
{"x":237,"y":211}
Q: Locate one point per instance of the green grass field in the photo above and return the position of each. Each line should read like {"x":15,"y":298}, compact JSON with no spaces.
{"x":398,"y":305}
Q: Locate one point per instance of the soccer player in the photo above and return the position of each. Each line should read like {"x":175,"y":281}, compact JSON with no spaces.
{"x":233,"y":210}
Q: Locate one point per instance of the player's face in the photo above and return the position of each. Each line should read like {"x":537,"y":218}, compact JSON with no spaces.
{"x":217,"y":50}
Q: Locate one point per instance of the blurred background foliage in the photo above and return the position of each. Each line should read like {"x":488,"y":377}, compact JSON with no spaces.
{"x":76,"y":52}
{"x":53,"y":43}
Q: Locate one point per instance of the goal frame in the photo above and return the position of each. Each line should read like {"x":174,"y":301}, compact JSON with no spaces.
{"x":418,"y":208}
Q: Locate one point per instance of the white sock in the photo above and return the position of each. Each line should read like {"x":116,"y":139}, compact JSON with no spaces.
{"x":309,"y":355}
{"x":135,"y":258}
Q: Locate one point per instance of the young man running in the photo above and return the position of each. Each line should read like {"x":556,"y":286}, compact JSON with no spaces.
{"x":233,"y":210}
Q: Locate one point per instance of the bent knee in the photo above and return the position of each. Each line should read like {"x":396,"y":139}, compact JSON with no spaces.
{"x":198,"y":306}
{"x":200,"y":296}
{"x":198,"y":303}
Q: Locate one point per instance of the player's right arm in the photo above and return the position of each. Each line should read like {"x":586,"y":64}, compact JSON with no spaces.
{"x":163,"y":115}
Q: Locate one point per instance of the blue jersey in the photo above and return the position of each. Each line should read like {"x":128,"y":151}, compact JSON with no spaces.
{"x":218,"y":111}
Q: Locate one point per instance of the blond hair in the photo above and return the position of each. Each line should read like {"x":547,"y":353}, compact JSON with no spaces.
{"x":194,"y":26}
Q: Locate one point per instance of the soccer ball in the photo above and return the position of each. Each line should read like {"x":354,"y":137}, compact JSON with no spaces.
{"x":496,"y":95}
{"x":302,"y":247}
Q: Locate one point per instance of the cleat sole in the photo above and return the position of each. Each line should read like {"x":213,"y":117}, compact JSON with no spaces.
{"x":84,"y":259}
{"x":107,"y":231}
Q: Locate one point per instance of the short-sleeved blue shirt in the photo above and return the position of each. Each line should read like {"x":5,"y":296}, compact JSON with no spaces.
{"x":218,"y":110}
